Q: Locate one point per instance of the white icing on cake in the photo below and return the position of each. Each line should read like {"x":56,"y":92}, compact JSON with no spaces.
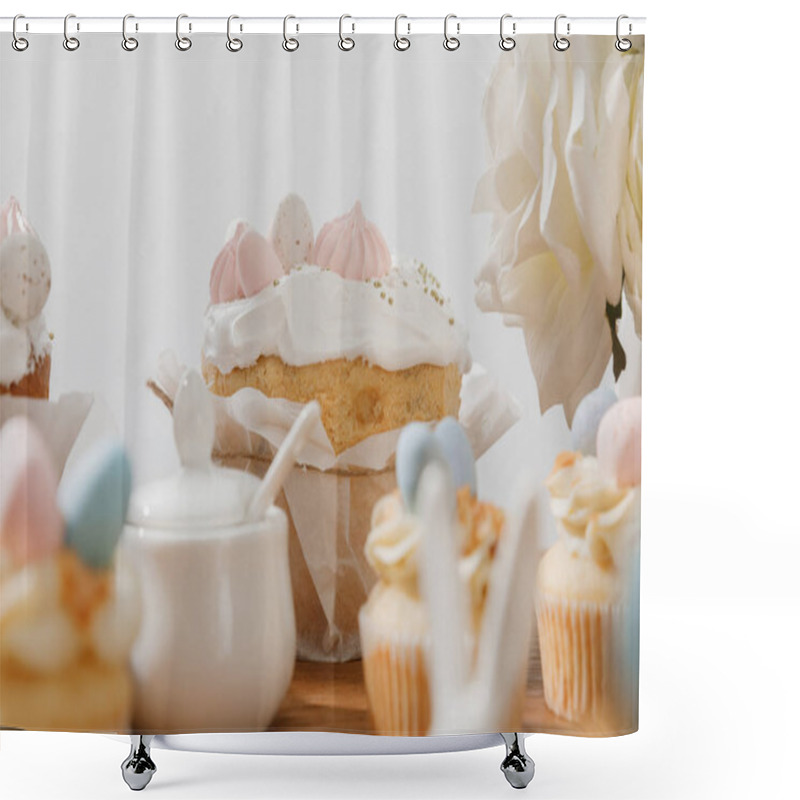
{"x":313,"y":315}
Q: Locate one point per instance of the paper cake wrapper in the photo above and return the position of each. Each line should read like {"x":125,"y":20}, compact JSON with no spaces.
{"x":586,"y":665}
{"x":396,"y":679}
{"x":329,"y":498}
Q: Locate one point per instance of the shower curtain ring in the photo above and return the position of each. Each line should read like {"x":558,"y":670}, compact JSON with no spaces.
{"x":290,"y":44}
{"x":183,"y":43}
{"x":19,"y":43}
{"x":346,"y":43}
{"x":71,"y":43}
{"x":623,"y":45}
{"x":561,"y":43}
{"x":507,"y":42}
{"x":129,"y":43}
{"x":401,"y":42}
{"x":233,"y":44}
{"x":451,"y":42}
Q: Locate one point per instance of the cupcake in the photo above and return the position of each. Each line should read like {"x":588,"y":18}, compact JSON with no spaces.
{"x":394,"y":622}
{"x":332,"y":318}
{"x":587,"y":584}
{"x":68,"y":611}
{"x":25,"y":342}
{"x":336,"y":320}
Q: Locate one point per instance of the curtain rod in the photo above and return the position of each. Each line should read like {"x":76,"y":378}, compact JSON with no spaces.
{"x":461,"y":26}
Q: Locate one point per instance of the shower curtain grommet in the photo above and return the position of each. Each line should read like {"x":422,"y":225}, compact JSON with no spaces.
{"x":346,"y":43}
{"x":507,"y":42}
{"x":182,"y":43}
{"x":290,"y":43}
{"x":560,"y":43}
{"x":451,"y":43}
{"x":129,"y":43}
{"x":71,"y":43}
{"x":19,"y":43}
{"x":233,"y":44}
{"x":401,"y":43}
{"x":623,"y":45}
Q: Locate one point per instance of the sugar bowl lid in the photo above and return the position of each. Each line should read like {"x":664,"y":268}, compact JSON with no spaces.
{"x":200,"y":494}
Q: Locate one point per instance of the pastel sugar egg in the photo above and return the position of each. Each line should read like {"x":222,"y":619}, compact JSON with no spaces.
{"x":24,"y":277}
{"x":457,"y":451}
{"x":588,"y":414}
{"x":416,"y":448}
{"x":246,"y":264}
{"x":31,"y":526}
{"x":292,"y":232}
{"x":94,"y":500}
{"x":619,"y":442}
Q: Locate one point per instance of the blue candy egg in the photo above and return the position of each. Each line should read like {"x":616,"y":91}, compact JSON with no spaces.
{"x":458,"y":452}
{"x":416,"y":448}
{"x":587,"y":419}
{"x":94,"y":501}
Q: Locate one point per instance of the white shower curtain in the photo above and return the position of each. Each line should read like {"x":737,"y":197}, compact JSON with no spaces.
{"x":403,"y":237}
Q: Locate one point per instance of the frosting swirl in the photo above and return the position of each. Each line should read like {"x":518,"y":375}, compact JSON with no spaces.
{"x":392,"y":545}
{"x":595,"y":517}
{"x":353,"y":247}
{"x":57,"y":610}
{"x":314,"y":314}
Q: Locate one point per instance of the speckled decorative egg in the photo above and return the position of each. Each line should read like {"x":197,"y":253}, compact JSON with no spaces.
{"x":619,"y":442}
{"x":416,"y":448}
{"x":458,"y":452}
{"x":588,"y":414}
{"x":24,"y":277}
{"x":292,"y":232}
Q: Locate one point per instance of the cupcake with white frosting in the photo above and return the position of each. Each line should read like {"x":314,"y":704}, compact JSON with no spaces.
{"x":587,"y":586}
{"x":338,"y":320}
{"x":394,"y":622}
{"x":25,"y":342}
{"x":69,"y":609}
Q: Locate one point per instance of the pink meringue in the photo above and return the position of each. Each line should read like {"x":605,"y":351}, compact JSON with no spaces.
{"x":245,"y":265}
{"x":353,"y":247}
{"x":12,"y":220}
{"x":31,"y":525}
{"x":619,"y":442}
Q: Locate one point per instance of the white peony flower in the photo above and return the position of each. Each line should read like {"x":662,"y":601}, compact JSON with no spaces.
{"x":564,"y":189}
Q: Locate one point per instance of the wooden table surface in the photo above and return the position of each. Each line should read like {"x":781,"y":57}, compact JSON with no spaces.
{"x":332,"y":697}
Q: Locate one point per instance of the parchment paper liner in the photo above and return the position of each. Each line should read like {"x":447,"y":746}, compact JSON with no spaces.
{"x":329,"y":499}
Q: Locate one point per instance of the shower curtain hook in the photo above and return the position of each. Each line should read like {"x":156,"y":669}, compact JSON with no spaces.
{"x":561,"y":43}
{"x":19,"y":43}
{"x":183,"y":43}
{"x":451,"y":42}
{"x":346,"y":43}
{"x":401,"y":42}
{"x":290,"y":44}
{"x":623,"y":45}
{"x":507,"y":42}
{"x":233,"y":44}
{"x":129,"y":43}
{"x":71,"y":43}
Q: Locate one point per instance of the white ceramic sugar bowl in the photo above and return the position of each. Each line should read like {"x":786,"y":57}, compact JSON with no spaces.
{"x":217,"y":643}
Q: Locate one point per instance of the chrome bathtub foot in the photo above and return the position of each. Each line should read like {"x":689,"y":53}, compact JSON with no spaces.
{"x":517,"y":766}
{"x":138,"y":768}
